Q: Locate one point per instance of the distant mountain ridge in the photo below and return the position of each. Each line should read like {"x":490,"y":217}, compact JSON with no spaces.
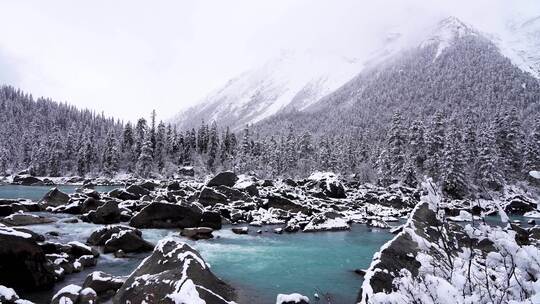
{"x":295,"y":82}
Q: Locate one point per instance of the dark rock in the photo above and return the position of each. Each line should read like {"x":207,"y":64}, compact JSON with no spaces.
{"x":23,"y":264}
{"x":186,"y":171}
{"x":127,"y":241}
{"x":199,"y":233}
{"x":103,"y":284}
{"x":277,"y":201}
{"x":54,"y":198}
{"x":290,"y":182}
{"x":240,"y":230}
{"x":122,"y":194}
{"x":174,"y":186}
{"x":24,"y":219}
{"x":91,"y":204}
{"x":173,"y":266}
{"x":78,"y":249}
{"x":149,"y":185}
{"x":226,"y":178}
{"x":211,"y":219}
{"x":87,"y":261}
{"x":120,"y":254}
{"x":360,"y":272}
{"x":137,"y":190}
{"x":209,"y":196}
{"x":519,"y":205}
{"x":26,"y":180}
{"x":166,"y":215}
{"x":106,"y":214}
{"x":6,"y":210}
{"x":102,"y":235}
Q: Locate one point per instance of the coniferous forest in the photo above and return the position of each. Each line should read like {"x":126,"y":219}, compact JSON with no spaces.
{"x":52,"y":139}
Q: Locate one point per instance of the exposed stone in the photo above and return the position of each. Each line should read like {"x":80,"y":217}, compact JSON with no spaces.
{"x":54,"y":198}
{"x":166,"y":215}
{"x":173,"y":270}
{"x":226,"y":178}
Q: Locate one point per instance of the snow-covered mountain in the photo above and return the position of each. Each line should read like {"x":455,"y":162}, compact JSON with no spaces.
{"x":291,"y":81}
{"x":297,"y":81}
{"x":522,"y":44}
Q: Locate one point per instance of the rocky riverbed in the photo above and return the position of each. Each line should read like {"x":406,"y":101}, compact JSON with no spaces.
{"x":175,"y":271}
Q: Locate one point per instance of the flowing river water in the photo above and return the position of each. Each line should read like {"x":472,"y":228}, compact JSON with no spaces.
{"x":259,"y":266}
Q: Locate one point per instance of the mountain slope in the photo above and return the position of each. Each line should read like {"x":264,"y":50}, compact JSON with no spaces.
{"x":290,"y":81}
{"x":457,"y":71}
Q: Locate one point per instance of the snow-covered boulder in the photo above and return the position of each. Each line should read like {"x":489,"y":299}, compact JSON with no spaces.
{"x":74,"y":294}
{"x":24,"y":219}
{"x":103,"y":284}
{"x":293,"y":298}
{"x":9,"y":296}
{"x":535,"y":174}
{"x":119,"y":237}
{"x":328,"y":183}
{"x":327,"y":221}
{"x":174,"y":273}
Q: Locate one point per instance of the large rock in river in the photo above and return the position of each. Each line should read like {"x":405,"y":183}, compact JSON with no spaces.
{"x":174,"y":273}
{"x":26,"y":180}
{"x":54,"y":198}
{"x":119,"y":237}
{"x":167,"y":215}
{"x":23,"y":265}
{"x":226,"y":178}
{"x":109,"y":213}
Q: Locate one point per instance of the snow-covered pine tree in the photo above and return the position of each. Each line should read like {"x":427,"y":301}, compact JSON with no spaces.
{"x":160,"y":147}
{"x":213,"y":147}
{"x":532,"y":149}
{"x":111,"y":155}
{"x":454,"y":180}
{"x":396,"y":147}
{"x":435,"y":142}
{"x":488,"y":174}
{"x":145,"y":160}
{"x":417,"y":144}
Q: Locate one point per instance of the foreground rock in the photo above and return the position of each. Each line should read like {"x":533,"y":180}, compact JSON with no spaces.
{"x":119,"y":237}
{"x":9,"y":296}
{"x":167,"y":215}
{"x":74,"y":294}
{"x":103,"y":284}
{"x":23,"y":265}
{"x":174,"y":273}
{"x":24,"y":219}
{"x":429,"y":262}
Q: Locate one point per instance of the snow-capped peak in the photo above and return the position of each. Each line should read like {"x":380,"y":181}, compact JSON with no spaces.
{"x":446,"y":31}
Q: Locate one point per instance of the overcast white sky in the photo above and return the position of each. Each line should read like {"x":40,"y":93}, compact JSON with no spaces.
{"x":128,"y":57}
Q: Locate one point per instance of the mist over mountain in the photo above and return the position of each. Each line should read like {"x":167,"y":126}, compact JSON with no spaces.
{"x":297,"y":82}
